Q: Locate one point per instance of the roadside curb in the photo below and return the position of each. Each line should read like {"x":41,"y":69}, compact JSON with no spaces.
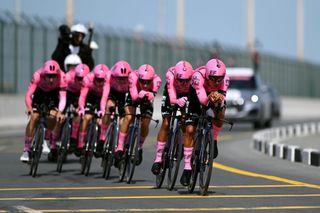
{"x":268,"y":141}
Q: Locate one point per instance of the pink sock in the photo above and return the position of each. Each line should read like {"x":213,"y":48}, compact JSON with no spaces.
{"x":82,"y":137}
{"x":47,"y":134}
{"x":122,"y":138}
{"x":216,"y":131}
{"x":142,"y":139}
{"x":55,"y":138}
{"x":74,"y":131}
{"x":103,"y":129}
{"x":160,"y":148}
{"x":27,"y":144}
{"x":187,"y":157}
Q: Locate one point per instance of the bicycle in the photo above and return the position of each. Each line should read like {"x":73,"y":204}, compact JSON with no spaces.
{"x":128,"y":163}
{"x":90,"y":145}
{"x":38,"y":139}
{"x":65,"y":138}
{"x":173,"y":152}
{"x":202,"y":156}
{"x":109,"y":145}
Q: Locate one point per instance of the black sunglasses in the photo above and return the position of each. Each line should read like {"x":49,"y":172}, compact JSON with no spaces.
{"x":99,"y":80}
{"x":121,"y":78}
{"x":79,"y":78}
{"x":184,"y":81}
{"x":145,"y":82}
{"x":216,"y":78}
{"x":51,"y":76}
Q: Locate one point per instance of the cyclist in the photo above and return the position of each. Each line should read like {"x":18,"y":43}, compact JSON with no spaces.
{"x":119,"y":86}
{"x":178,"y":80}
{"x":70,"y":63}
{"x":94,"y":93}
{"x":48,"y":86}
{"x":208,"y":89}
{"x":71,"y":42}
{"x":144,"y":83}
{"x":74,"y":84}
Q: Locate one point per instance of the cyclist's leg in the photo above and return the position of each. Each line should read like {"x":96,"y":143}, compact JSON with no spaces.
{"x":72,"y":100}
{"x":30,"y":130}
{"x":217,"y":125}
{"x":193,"y":109}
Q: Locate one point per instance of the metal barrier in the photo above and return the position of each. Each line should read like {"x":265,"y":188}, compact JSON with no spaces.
{"x":25,"y":46}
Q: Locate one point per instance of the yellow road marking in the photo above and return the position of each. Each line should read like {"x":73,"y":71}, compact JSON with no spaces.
{"x":269,"y":177}
{"x":155,"y":197}
{"x":140,"y":187}
{"x":258,"y":208}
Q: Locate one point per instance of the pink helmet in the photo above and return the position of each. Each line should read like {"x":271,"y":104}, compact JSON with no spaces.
{"x":100,"y":71}
{"x":183,"y":70}
{"x":51,"y":67}
{"x":146,"y":72}
{"x":121,"y":69}
{"x":82,"y":70}
{"x":215,"y":68}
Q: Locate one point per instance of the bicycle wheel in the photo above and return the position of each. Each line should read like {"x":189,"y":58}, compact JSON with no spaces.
{"x":62,"y":151}
{"x":123,"y":163}
{"x":206,"y":161}
{"x":92,"y":144}
{"x":195,"y":164}
{"x":108,"y":152}
{"x":175,"y":156}
{"x":36,"y":151}
{"x":133,"y":153}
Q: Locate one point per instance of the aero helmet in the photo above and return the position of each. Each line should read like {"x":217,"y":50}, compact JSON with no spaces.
{"x":146,"y":72}
{"x":51,"y":67}
{"x":100,"y":71}
{"x":82,"y":70}
{"x":183,"y":70}
{"x":121,"y":69}
{"x":215,"y":68}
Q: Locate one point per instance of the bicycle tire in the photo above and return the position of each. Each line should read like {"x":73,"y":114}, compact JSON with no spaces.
{"x":195,"y":165}
{"x":109,"y":150}
{"x":37,"y":150}
{"x":175,"y":156}
{"x":124,"y":161}
{"x":133,"y":153}
{"x":62,"y":151}
{"x":92,"y":143}
{"x":206,"y":161}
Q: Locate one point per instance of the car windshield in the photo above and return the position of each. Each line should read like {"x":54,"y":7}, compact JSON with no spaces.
{"x":243,"y":83}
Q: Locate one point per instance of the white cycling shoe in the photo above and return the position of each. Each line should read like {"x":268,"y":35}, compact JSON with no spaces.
{"x":45,"y":147}
{"x":24,"y":157}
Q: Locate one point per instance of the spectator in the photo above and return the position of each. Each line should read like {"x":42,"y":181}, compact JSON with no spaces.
{"x":71,"y":42}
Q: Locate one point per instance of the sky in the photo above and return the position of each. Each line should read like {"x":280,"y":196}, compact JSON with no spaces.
{"x":223,"y":21}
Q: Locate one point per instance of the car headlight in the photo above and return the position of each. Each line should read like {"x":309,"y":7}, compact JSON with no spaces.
{"x":254,"y":98}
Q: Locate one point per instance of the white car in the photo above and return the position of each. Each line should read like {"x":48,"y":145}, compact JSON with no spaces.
{"x":248,"y":98}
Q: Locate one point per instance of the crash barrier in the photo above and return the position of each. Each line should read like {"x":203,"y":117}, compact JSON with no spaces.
{"x":270,"y":142}
{"x":26,"y":44}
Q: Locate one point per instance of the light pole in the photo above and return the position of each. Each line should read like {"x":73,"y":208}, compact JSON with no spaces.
{"x":300,"y":30}
{"x":69,"y":12}
{"x":180,"y":21}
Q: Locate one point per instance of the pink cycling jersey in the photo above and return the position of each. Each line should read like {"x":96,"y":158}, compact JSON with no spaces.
{"x":174,"y":86}
{"x":72,"y":85}
{"x":135,"y":88}
{"x":204,"y":86}
{"x":38,"y":81}
{"x":88,"y":85}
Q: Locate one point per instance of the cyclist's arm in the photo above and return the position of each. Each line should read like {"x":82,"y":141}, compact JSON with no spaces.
{"x":31,"y":89}
{"x":171,"y":89}
{"x":133,"y":79}
{"x":197,"y":83}
{"x":105,"y":93}
{"x":62,"y":92}
{"x":83,"y":95}
{"x":156,"y":84}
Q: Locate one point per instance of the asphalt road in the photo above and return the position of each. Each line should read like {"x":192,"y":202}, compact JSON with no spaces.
{"x":243,"y":181}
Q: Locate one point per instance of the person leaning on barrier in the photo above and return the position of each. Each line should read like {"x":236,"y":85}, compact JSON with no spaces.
{"x":70,"y":41}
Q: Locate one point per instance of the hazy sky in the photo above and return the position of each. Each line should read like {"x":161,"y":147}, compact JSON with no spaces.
{"x":205,"y":20}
